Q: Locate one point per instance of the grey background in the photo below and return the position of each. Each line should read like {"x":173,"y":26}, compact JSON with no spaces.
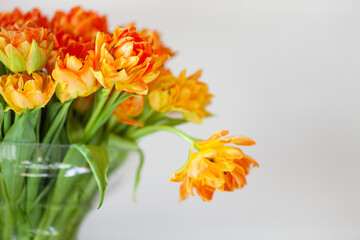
{"x":285,"y":73}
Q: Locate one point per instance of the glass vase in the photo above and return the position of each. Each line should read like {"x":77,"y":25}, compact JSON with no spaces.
{"x":47,"y":190}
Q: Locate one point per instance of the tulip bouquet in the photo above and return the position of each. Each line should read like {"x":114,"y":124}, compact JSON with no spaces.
{"x":75,"y":98}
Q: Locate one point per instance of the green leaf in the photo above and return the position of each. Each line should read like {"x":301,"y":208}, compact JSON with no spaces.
{"x":34,"y":116}
{"x":74,"y":129}
{"x":121,"y":143}
{"x":23,"y":129}
{"x":1,"y":119}
{"x":52,"y":109}
{"x":104,"y":116}
{"x":138,"y":173}
{"x":98,"y":160}
{"x":57,"y":124}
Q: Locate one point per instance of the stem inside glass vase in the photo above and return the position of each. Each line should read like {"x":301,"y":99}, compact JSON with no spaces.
{"x":46,"y":190}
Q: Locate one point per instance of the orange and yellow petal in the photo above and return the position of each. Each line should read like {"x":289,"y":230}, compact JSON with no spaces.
{"x":125,"y":60}
{"x":20,"y":18}
{"x":181,"y":94}
{"x":126,"y":111}
{"x":25,"y":48}
{"x":215,"y":166}
{"x":74,"y":74}
{"x":21,"y":92}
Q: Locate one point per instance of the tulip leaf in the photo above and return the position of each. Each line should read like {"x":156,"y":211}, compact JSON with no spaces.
{"x":34,"y":116}
{"x":121,"y":143}
{"x":57,"y":124}
{"x":52,"y":110}
{"x":98,"y":160}
{"x":138,"y":172}
{"x":1,"y":119}
{"x":22,"y":131}
{"x":104,"y":116}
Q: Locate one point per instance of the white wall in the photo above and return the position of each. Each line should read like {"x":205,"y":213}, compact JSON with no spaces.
{"x":285,"y":73}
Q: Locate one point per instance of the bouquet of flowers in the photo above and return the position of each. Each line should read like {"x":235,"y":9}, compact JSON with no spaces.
{"x":75,"y":99}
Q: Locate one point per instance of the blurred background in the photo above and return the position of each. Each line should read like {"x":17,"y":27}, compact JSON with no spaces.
{"x":283,"y":72}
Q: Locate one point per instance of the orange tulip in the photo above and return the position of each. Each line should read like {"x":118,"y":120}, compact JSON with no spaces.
{"x":17,"y":17}
{"x":20,"y":91}
{"x":129,"y":109}
{"x":81,"y":24}
{"x":215,"y":166}
{"x":76,"y":27}
{"x":125,"y":60}
{"x":186,"y":95}
{"x":73,"y":73}
{"x":25,"y":48}
{"x":62,"y":41}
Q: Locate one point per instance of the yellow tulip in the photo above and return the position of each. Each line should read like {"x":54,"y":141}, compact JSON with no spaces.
{"x":186,"y":95}
{"x":73,"y":74}
{"x":20,"y":91}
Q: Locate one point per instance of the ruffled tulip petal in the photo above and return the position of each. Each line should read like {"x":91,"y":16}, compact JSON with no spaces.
{"x":21,"y":92}
{"x":25,"y":48}
{"x":239,"y":140}
{"x":125,"y":60}
{"x":74,"y":74}
{"x":215,"y":166}
{"x":126,"y":111}
{"x":180,"y":94}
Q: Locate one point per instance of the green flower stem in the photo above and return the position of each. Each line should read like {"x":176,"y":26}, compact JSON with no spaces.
{"x":120,"y":127}
{"x":57,"y":124}
{"x":156,"y":117}
{"x":114,"y":96}
{"x":146,"y":116}
{"x":111,"y":124}
{"x":103,"y":116}
{"x":141,"y":132}
{"x":143,"y":118}
{"x":94,"y":117}
{"x":61,"y":190}
{"x":8,"y":228}
{"x":7,"y":121}
{"x":17,"y":117}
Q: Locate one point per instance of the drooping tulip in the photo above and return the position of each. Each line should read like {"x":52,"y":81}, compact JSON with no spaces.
{"x":215,"y":166}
